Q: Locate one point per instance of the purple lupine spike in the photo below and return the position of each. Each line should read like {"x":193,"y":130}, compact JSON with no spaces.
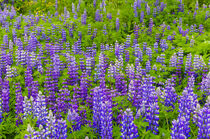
{"x":27,"y":107}
{"x":5,"y":40}
{"x":135,"y":9}
{"x":28,"y":80}
{"x":142,"y":17}
{"x":31,"y":132}
{"x":156,"y":47}
{"x":83,"y":90}
{"x":188,"y":65}
{"x":181,"y":7}
{"x":106,"y":120}
{"x":127,"y":56}
{"x":97,"y":15}
{"x":154,"y":67}
{"x":179,"y":64}
{"x":19,"y":103}
{"x":162,"y":6}
{"x":207,"y":15}
{"x":196,"y":5}
{"x":152,"y":116}
{"x":151,"y":25}
{"x":5,"y":96}
{"x":139,"y":3}
{"x":98,"y":97}
{"x":1,"y":111}
{"x":162,"y":59}
{"x":173,"y":60}
{"x":71,"y":30}
{"x":40,"y":133}
{"x":196,"y":63}
{"x":117,"y":24}
{"x":61,"y":129}
{"x":131,"y":90}
{"x":148,"y":66}
{"x":187,"y":102}
{"x":73,"y":8}
{"x":83,"y":115}
{"x":94,"y":33}
{"x":121,"y":84}
{"x":131,"y":72}
{"x":201,"y":29}
{"x":50,"y":125}
{"x":74,"y":118}
{"x":203,"y":123}
{"x":146,"y":92}
{"x":136,"y":31}
{"x":194,"y":15}
{"x":187,"y":105}
{"x":50,"y":88}
{"x":8,"y":72}
{"x":205,"y":85}
{"x":72,"y":71}
{"x":40,"y":110}
{"x":128,"y":41}
{"x":94,"y":3}
{"x":88,"y":65}
{"x":179,"y":128}
{"x":128,"y":128}
{"x":34,"y":89}
{"x":109,"y":16}
{"x":154,"y":12}
{"x":148,"y":9}
{"x":170,"y":97}
{"x":78,"y":6}
{"x":84,"y":17}
{"x":63,"y":35}
{"x":149,"y":53}
{"x":56,"y":5}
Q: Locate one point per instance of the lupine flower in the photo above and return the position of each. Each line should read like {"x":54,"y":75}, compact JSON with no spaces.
{"x":150,"y":25}
{"x":109,"y":16}
{"x":19,"y":103}
{"x":60,"y":129}
{"x":201,"y":29}
{"x":142,"y":17}
{"x":106,"y":120}
{"x":154,"y":12}
{"x":117,"y":24}
{"x":1,"y":110}
{"x":156,"y":47}
{"x":153,"y":118}
{"x":203,"y":123}
{"x":135,"y":8}
{"x":148,"y":66}
{"x":180,"y":128}
{"x":170,"y":97}
{"x":40,"y":109}
{"x":27,"y":107}
{"x":74,"y":118}
{"x":207,"y":15}
{"x":5,"y":96}
{"x":97,"y":15}
{"x":128,"y":41}
{"x":128,"y":128}
{"x":205,"y":84}
{"x":31,"y":132}
{"x":148,"y":9}
{"x":50,"y":125}
{"x":181,"y":7}
{"x":98,"y":97}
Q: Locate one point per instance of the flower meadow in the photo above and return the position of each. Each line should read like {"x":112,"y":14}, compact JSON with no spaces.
{"x":105,"y":69}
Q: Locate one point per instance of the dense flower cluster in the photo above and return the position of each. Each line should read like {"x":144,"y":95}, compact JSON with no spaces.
{"x":84,"y":70}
